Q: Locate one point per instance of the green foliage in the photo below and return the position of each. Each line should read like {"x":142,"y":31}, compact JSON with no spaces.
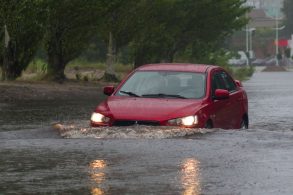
{"x":143,"y":31}
{"x":243,"y":73}
{"x":117,"y":28}
{"x":219,"y":58}
{"x":37,"y":66}
{"x":96,"y":50}
{"x":71,"y":25}
{"x":25,"y":28}
{"x":119,"y":18}
{"x":184,"y":27}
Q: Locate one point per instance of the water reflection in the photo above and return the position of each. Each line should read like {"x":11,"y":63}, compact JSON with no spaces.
{"x":97,"y":191}
{"x":98,"y":164}
{"x":97,"y":175}
{"x":190,"y":177}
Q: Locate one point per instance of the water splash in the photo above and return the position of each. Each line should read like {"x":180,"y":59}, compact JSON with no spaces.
{"x":82,"y":130}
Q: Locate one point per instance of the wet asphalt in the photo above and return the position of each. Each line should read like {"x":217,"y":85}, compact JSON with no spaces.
{"x":34,"y":159}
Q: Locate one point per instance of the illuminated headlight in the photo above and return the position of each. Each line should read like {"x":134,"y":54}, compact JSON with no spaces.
{"x":99,"y":118}
{"x":185,"y":121}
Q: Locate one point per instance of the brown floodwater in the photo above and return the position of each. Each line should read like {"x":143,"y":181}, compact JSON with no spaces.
{"x":35,"y":159}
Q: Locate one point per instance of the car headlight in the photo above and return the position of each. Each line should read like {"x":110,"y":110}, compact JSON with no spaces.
{"x":185,"y":121}
{"x":99,"y":118}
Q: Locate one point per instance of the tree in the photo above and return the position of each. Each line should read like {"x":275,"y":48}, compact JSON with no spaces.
{"x":21,"y":24}
{"x":288,"y":22}
{"x":71,"y":25}
{"x":170,"y":28}
{"x":117,"y":27}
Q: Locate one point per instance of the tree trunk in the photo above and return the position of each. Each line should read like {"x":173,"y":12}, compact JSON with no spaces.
{"x":56,"y":62}
{"x":140,"y":58}
{"x":110,"y":72}
{"x":56,"y":67}
{"x":9,"y":74}
{"x":10,"y":69}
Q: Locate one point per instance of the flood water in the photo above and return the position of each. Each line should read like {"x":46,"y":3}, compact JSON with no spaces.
{"x":35,"y":159}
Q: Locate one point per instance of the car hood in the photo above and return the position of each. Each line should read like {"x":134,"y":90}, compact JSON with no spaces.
{"x":159,"y":109}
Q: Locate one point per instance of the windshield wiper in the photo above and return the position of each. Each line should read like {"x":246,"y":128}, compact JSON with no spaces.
{"x":163,"y":95}
{"x":129,"y":93}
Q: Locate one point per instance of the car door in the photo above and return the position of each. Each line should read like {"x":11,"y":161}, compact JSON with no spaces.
{"x":234,"y":108}
{"x":219,"y":107}
{"x":227,"y":111}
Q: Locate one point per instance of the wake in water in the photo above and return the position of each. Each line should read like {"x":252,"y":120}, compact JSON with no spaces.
{"x":82,"y":130}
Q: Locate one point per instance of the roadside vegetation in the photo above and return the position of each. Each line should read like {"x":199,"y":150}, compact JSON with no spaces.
{"x":100,"y":39}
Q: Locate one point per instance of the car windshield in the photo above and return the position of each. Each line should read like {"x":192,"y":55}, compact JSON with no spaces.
{"x":164,"y":84}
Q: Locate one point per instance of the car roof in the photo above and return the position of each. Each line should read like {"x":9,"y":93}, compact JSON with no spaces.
{"x":185,"y":67}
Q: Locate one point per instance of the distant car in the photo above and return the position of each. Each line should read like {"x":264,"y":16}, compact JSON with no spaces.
{"x":237,"y":62}
{"x":271,"y":62}
{"x":259,"y":62}
{"x":183,"y":95}
{"x":240,"y":59}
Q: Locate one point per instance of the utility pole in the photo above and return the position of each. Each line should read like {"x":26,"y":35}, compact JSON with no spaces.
{"x":249,"y":44}
{"x":277,"y":39}
{"x":277,"y":36}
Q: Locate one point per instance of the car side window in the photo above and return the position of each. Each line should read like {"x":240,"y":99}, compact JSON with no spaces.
{"x":221,"y":80}
{"x":228,"y":82}
{"x":217,"y":82}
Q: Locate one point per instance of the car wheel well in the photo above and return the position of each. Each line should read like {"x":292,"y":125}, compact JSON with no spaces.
{"x":245,"y":119}
{"x":209,"y":124}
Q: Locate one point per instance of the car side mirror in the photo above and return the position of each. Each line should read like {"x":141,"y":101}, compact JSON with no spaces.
{"x":108,"y":90}
{"x":238,"y":83}
{"x":221,"y":94}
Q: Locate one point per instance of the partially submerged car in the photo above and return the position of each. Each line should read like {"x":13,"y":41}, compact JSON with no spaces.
{"x":184,"y":95}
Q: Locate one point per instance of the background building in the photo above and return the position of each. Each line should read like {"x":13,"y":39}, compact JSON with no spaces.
{"x":273,"y":8}
{"x":261,"y":28}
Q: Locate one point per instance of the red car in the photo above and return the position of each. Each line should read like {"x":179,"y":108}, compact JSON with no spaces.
{"x":185,"y":95}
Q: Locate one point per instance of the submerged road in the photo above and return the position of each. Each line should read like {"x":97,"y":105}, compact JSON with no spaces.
{"x":254,"y":161}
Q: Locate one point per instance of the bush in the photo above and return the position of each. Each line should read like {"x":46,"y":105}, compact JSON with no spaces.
{"x":219,"y":58}
{"x":243,"y":73}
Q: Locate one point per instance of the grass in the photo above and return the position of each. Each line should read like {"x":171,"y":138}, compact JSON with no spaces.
{"x":78,"y":69}
{"x":37,"y":66}
{"x":84,"y":70}
{"x":35,"y":71}
{"x":84,"y":64}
